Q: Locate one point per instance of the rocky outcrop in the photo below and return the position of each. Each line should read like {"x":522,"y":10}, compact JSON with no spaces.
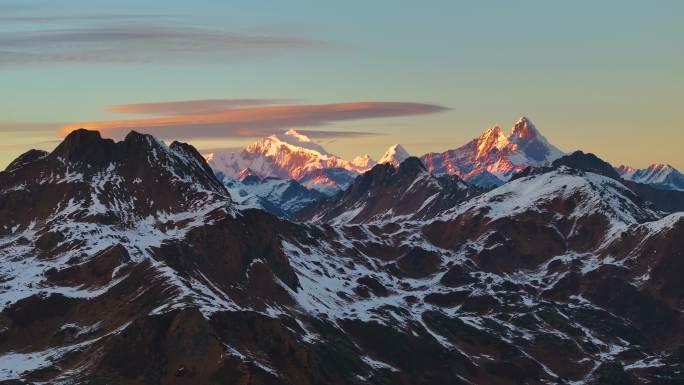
{"x":388,"y":193}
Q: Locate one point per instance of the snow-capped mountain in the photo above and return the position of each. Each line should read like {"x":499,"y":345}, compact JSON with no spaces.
{"x":280,"y":197}
{"x":364,"y":162}
{"x":128,"y":263}
{"x":394,"y":155}
{"x":658,"y":175}
{"x":389,"y":193}
{"x":666,"y":201}
{"x":495,"y":153}
{"x":289,"y":155}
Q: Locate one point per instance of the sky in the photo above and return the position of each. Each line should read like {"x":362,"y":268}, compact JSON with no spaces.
{"x":358,"y":76}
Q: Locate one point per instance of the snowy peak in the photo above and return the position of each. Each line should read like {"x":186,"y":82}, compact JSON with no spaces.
{"x":287,"y":155}
{"x":624,"y":170}
{"x":660,"y":168}
{"x":600,"y":195}
{"x":493,"y":138}
{"x":495,"y":154}
{"x":394,"y":155}
{"x":660,"y":175}
{"x":523,"y":130}
{"x":289,"y":140}
{"x":364,"y":162}
{"x":526,"y":140}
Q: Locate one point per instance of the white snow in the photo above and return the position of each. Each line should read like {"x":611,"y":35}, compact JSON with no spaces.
{"x":394,"y":155}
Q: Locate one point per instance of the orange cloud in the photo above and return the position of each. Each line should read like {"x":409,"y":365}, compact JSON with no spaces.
{"x":250,"y":121}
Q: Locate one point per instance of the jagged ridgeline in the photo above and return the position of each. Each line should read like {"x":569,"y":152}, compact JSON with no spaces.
{"x":132,"y":262}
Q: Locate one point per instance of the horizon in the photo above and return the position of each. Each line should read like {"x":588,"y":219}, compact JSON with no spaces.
{"x":359,"y":78}
{"x":210,"y":151}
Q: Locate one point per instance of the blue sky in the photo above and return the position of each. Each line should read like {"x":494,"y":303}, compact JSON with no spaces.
{"x":606,"y":78}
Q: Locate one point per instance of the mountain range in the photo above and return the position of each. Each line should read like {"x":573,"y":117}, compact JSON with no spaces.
{"x":134,"y":262}
{"x":485,"y":162}
{"x":494,"y":156}
{"x":662,"y":176}
{"x":290,"y":155}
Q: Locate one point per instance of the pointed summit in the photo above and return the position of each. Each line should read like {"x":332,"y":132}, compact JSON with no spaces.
{"x":394,"y":155}
{"x":525,"y":138}
{"x":494,"y":131}
{"x":493,"y":138}
{"x":523,"y":129}
{"x":494,"y":156}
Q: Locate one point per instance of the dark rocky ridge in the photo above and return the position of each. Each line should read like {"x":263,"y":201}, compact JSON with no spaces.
{"x":587,"y":162}
{"x":114,"y":182}
{"x":386,"y":192}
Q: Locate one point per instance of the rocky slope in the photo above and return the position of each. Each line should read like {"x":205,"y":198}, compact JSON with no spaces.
{"x":495,"y":154}
{"x":391,"y":193}
{"x":128,"y":263}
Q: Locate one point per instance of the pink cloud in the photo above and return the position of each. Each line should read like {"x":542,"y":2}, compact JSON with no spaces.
{"x":251,"y":121}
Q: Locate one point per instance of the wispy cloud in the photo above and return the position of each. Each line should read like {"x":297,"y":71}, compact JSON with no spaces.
{"x":191,"y":106}
{"x":138,"y":40}
{"x":252,"y":121}
{"x":323,"y":135}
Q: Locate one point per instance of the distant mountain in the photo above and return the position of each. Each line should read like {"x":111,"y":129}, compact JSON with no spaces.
{"x":364,"y":162}
{"x":394,"y":155}
{"x":495,"y":153}
{"x":280,"y":197}
{"x":660,"y":199}
{"x":662,"y":176}
{"x":289,"y":155}
{"x":387,"y":193}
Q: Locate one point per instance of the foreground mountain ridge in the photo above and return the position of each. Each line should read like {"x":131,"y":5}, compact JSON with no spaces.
{"x":102,"y":285}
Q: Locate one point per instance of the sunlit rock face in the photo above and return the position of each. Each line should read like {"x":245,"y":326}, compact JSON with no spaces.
{"x":290,"y":155}
{"x":495,"y":154}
